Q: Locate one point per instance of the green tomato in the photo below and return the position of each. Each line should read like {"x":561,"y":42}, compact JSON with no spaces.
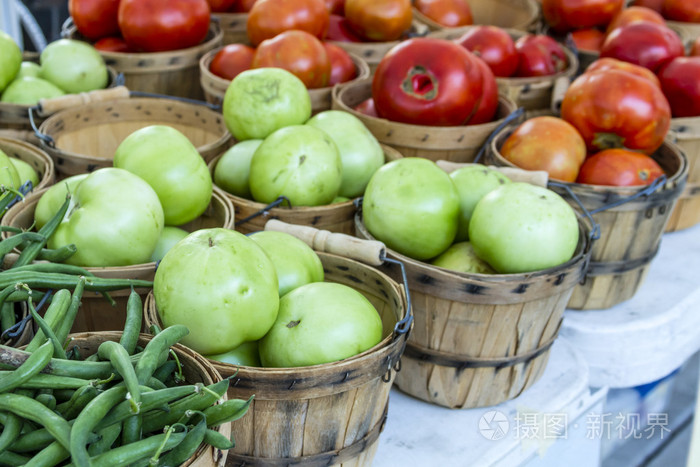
{"x":472,"y":183}
{"x":74,"y":66}
{"x":360,"y":152}
{"x":53,"y":198}
{"x":25,"y":171}
{"x":460,"y":257}
{"x":170,"y":163}
{"x":9,"y":178}
{"x":520,"y":227}
{"x":221,"y":285}
{"x":10,"y":59}
{"x":245,"y":354}
{"x":232,"y":171}
{"x":29,"y":69}
{"x":412,"y":206}
{"x":114,"y":219}
{"x":318,"y":323}
{"x":168,"y":238}
{"x":296,"y":263}
{"x":300,"y":162}
{"x":28,"y":90}
{"x":261,"y":100}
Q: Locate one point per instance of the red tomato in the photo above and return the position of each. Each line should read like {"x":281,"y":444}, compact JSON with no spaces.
{"x":243,"y":6}
{"x":268,"y":18}
{"x":339,"y":30}
{"x":680,"y":84}
{"x":634,"y":14}
{"x":300,"y":53}
{"x":589,"y":39}
{"x":619,"y":167}
{"x":161,"y":25}
{"x":427,"y":81}
{"x":656,"y":5}
{"x":220,"y":6}
{"x":367,"y":107}
{"x":614,"y":108}
{"x":566,"y":15}
{"x":546,"y":143}
{"x":448,"y":13}
{"x":695,"y":47}
{"x":488,"y":105}
{"x":494,"y":46}
{"x":231,"y":59}
{"x":342,"y":67}
{"x":379,"y":20}
{"x":682,"y":10}
{"x":95,"y":19}
{"x":112,"y":44}
{"x":335,"y":7}
{"x":608,"y":63}
{"x":539,"y":55}
{"x":644,"y":43}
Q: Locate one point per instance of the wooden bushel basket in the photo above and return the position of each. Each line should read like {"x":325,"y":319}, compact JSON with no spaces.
{"x":328,"y":414}
{"x":195,"y":368}
{"x":84,"y":137}
{"x":453,"y":143}
{"x":252,"y":216}
{"x":233,"y":26}
{"x":630,"y":233}
{"x":32,"y":155}
{"x":215,"y":87}
{"x":685,"y":132}
{"x":481,"y":339}
{"x":175,"y":73}
{"x":95,"y":313}
{"x":513,"y":14}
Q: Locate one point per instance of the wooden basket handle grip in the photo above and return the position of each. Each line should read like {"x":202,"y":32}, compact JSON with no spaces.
{"x":370,"y":252}
{"x":561,"y":84}
{"x":533,"y":177}
{"x":50,"y":106}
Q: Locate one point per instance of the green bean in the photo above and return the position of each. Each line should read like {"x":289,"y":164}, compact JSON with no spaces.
{"x":156,"y":351}
{"x":40,"y":438}
{"x":47,"y":381}
{"x":227,"y":411}
{"x":30,"y":252}
{"x":15,"y":241}
{"x":125,"y":455}
{"x":12,"y":426}
{"x":11,"y":459}
{"x":62,"y":281}
{"x":7,"y":316}
{"x":119,"y":358}
{"x":165,"y":370}
{"x":218,"y":440}
{"x":36,"y":362}
{"x":57,"y":255}
{"x":131,"y":429}
{"x":106,"y":438}
{"x":58,"y":268}
{"x":51,"y":455}
{"x":74,"y":406}
{"x":132,"y":328}
{"x":55,"y":313}
{"x":58,"y":351}
{"x":4,"y":296}
{"x":155,"y":383}
{"x":183,"y":451}
{"x":47,"y":399}
{"x":72,"y":311}
{"x":32,"y":410}
{"x":21,"y":295}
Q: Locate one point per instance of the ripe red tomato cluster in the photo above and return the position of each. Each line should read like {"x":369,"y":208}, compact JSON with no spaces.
{"x":141,"y":25}
{"x":529,"y":55}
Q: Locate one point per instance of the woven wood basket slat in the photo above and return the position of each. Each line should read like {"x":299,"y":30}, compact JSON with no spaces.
{"x":37,"y":158}
{"x":685,"y":132}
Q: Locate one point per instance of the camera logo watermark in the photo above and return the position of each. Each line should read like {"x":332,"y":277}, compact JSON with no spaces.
{"x":494,"y":425}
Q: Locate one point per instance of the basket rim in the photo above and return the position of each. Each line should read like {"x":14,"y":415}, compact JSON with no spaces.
{"x":49,"y":174}
{"x":531,"y":7}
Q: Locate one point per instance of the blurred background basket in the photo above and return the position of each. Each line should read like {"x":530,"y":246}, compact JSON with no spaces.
{"x":32,"y":155}
{"x":685,"y":132}
{"x":513,"y":14}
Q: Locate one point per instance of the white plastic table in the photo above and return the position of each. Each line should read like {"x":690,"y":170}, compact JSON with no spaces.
{"x":421,"y":434}
{"x":652,"y":334}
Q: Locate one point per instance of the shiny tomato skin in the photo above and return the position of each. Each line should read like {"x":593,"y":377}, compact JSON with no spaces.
{"x":343,"y":69}
{"x":112,"y":44}
{"x":232,"y":59}
{"x":634,"y":14}
{"x":95,"y":19}
{"x":221,"y":6}
{"x":367,"y":107}
{"x":335,"y":7}
{"x":656,"y":5}
{"x":588,"y":39}
{"x":339,"y":30}
{"x":695,"y":47}
{"x":681,"y":86}
{"x":298,"y":52}
{"x":546,"y":143}
{"x":427,"y":81}
{"x":488,"y":105}
{"x":687,"y":11}
{"x":567,"y":15}
{"x":614,"y":108}
{"x":268,"y":18}
{"x":644,"y":43}
{"x":447,"y":13}
{"x":609,"y":63}
{"x":539,"y":55}
{"x":162,"y":25}
{"x":619,"y":167}
{"x":494,"y":46}
{"x":379,"y":20}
